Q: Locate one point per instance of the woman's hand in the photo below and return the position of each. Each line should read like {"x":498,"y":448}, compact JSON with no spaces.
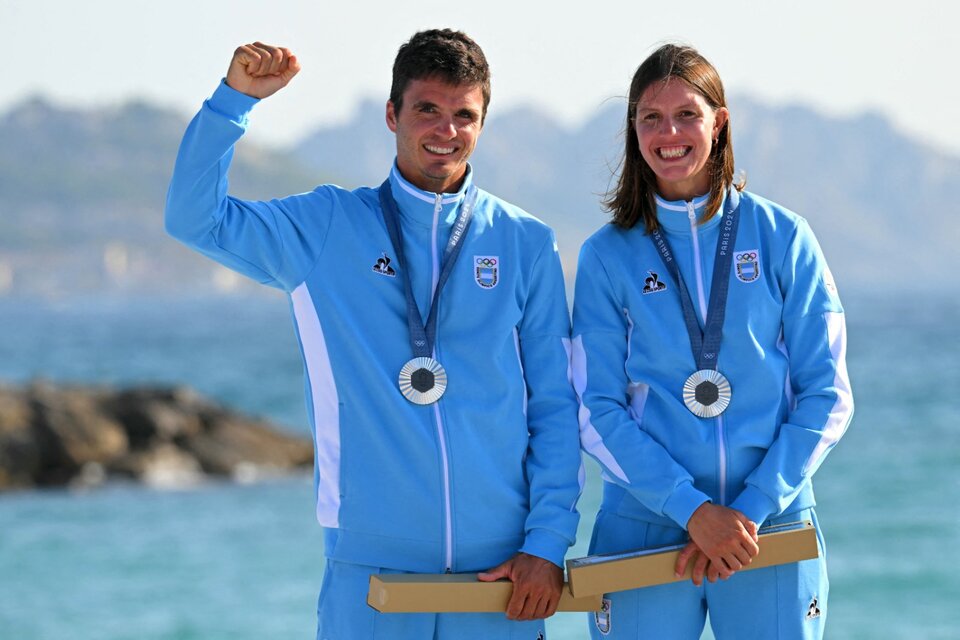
{"x":723,"y":541}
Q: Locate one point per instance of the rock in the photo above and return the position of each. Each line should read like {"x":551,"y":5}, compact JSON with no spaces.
{"x":230,"y":441}
{"x":73,"y":430}
{"x":166,"y":467}
{"x":20,"y":451}
{"x":163,"y":436}
{"x":152,"y":415}
{"x":92,"y":475}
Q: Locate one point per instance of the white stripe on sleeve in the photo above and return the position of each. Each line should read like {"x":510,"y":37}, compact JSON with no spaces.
{"x":842,"y":411}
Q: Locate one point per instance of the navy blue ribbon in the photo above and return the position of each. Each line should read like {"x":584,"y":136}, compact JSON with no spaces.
{"x":423,"y":337}
{"x":705,"y":343}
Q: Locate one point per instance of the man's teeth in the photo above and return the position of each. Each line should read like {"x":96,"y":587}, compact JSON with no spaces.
{"x":673,"y":152}
{"x":441,"y":150}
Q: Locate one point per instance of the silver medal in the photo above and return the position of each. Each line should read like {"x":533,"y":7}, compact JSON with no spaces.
{"x":706,"y":393}
{"x":422,"y":380}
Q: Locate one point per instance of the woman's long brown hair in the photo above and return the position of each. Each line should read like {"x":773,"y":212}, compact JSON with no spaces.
{"x":633,"y":198}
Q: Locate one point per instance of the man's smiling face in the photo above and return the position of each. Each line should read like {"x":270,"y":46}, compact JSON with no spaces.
{"x":437,"y":129}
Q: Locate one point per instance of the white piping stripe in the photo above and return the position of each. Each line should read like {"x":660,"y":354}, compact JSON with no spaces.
{"x":326,"y":406}
{"x":582,"y":471}
{"x":416,"y":193}
{"x":697,"y":266}
{"x":842,"y":411}
{"x":787,"y":387}
{"x":722,"y":461}
{"x":441,"y":434}
{"x":590,"y":439}
{"x":434,"y":250}
{"x":448,"y":515}
{"x":638,"y":392}
{"x":697,"y":203}
{"x":516,"y":344}
{"x":568,"y":348}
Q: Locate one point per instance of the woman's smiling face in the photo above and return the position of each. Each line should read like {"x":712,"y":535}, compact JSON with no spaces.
{"x":675,"y":129}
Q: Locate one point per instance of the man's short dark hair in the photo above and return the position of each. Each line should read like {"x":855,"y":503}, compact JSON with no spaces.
{"x":445,"y":54}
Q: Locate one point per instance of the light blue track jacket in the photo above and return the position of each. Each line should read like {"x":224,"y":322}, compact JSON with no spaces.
{"x":783,"y":351}
{"x":492,"y":468}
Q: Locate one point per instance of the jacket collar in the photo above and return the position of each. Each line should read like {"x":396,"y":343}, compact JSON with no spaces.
{"x":417,"y":205}
{"x":674,"y":216}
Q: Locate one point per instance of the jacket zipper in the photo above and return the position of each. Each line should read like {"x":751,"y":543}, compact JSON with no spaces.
{"x":441,"y":434}
{"x":701,"y":296}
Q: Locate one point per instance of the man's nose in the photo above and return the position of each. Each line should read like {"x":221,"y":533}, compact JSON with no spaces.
{"x":447,"y":128}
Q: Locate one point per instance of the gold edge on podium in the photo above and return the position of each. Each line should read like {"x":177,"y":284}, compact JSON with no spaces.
{"x":601,"y":574}
{"x":454,"y":593}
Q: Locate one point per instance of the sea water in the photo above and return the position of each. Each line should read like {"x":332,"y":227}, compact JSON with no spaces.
{"x":243,"y":562}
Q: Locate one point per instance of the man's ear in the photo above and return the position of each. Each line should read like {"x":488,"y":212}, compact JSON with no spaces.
{"x":391,"y":116}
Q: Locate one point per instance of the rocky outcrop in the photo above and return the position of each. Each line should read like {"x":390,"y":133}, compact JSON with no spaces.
{"x":57,"y":435}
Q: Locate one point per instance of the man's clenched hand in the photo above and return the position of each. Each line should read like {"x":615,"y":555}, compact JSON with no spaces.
{"x":260,"y":70}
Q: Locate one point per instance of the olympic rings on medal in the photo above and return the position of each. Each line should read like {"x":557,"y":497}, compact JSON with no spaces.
{"x":486,"y":262}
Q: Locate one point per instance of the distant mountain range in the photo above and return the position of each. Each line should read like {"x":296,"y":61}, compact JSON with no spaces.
{"x":82,"y":191}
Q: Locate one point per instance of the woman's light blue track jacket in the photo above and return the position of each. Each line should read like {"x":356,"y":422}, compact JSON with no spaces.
{"x":493,"y":467}
{"x":783,"y":351}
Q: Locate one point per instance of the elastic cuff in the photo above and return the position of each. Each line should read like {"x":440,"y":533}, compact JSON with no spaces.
{"x":231,"y":103}
{"x":547,"y":545}
{"x":681,"y":504}
{"x":754,"y":504}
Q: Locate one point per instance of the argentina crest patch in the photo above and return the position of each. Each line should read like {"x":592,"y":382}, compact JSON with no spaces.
{"x":602,"y":618}
{"x":486,"y":271}
{"x":748,"y":265}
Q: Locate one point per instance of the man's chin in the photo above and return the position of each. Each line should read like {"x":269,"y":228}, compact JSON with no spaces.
{"x":444,"y":170}
{"x":447,"y":174}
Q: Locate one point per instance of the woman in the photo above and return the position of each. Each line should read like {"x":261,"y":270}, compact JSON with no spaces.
{"x":709,"y":349}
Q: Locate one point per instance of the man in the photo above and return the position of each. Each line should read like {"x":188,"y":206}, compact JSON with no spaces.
{"x":434,"y":331}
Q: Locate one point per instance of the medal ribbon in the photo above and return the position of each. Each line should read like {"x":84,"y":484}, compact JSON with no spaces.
{"x":423,"y":337}
{"x":705,"y":343}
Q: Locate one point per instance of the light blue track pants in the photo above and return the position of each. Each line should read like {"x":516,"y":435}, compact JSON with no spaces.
{"x":784,"y":602}
{"x":343,"y":614}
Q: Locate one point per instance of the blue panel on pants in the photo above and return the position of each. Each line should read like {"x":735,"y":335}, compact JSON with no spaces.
{"x":787,"y":601}
{"x":343,"y":614}
{"x":784,"y":602}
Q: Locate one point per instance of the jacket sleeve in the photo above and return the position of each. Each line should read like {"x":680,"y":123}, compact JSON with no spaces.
{"x":553,"y":465}
{"x":273,"y":242}
{"x":609,"y":428}
{"x":814,"y":334}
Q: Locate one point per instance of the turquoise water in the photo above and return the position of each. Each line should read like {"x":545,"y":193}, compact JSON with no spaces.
{"x":244,"y":562}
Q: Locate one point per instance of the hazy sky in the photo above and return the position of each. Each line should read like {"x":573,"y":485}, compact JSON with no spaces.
{"x":840,"y":57}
